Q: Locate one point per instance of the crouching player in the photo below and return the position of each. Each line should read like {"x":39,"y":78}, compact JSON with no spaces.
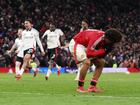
{"x":91,"y":46}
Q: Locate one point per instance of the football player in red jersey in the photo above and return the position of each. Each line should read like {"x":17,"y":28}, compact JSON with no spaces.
{"x":89,"y":47}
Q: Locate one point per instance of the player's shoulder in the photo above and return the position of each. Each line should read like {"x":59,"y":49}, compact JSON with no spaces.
{"x":47,"y":31}
{"x":23,"y":31}
{"x":35,"y":30}
{"x":95,"y":30}
{"x":17,"y":39}
{"x":58,"y":29}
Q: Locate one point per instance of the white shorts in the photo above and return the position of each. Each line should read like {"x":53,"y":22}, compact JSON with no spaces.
{"x":80,"y":53}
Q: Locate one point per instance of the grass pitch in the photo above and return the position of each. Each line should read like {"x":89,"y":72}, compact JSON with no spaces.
{"x":119,"y":89}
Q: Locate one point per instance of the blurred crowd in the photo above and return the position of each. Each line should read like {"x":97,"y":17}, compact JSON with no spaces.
{"x":67,"y":15}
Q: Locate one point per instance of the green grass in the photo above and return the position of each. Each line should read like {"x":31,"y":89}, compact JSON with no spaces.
{"x":119,"y":89}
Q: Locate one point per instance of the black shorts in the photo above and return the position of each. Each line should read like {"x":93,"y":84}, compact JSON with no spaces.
{"x":29,"y":51}
{"x":19,"y":59}
{"x":51,"y":52}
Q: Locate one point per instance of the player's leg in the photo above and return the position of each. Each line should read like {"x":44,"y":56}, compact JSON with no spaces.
{"x":27,"y":55}
{"x":99,"y":63}
{"x":83,"y":72}
{"x":78,"y":72}
{"x":35,"y":66}
{"x":18,"y":62}
{"x":51,"y":56}
{"x":58,"y":69}
{"x":79,"y":53}
{"x":56,"y":61}
{"x":49,"y":69}
{"x":25,"y":63}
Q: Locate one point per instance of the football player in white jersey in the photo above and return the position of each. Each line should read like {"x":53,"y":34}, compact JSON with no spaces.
{"x":16,"y":46}
{"x":52,"y":38}
{"x":30,"y":37}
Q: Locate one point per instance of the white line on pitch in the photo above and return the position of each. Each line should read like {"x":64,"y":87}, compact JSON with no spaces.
{"x":76,"y":95}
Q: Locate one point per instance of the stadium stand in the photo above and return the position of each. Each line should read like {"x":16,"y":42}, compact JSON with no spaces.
{"x":67,"y":15}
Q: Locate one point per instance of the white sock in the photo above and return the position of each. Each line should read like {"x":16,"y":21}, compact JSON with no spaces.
{"x":58,"y":67}
{"x":17,"y":70}
{"x":21,"y":71}
{"x":34,"y":69}
{"x":48,"y":73}
{"x":17,"y":67}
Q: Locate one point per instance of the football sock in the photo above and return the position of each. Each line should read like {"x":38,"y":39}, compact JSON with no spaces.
{"x":93,"y":82}
{"x":48,"y":73}
{"x":80,"y":83}
{"x":17,"y":70}
{"x":21,"y":71}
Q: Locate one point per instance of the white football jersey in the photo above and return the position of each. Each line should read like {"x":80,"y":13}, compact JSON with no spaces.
{"x":30,"y":38}
{"x":53,"y":38}
{"x":18,"y":43}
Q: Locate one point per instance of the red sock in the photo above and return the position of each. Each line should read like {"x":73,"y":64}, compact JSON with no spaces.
{"x":58,"y":72}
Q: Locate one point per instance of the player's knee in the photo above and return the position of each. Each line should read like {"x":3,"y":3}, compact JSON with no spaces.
{"x":27,"y":57}
{"x":87,"y":62}
{"x":18,"y":64}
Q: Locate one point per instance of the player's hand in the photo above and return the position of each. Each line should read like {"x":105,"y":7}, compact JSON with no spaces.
{"x":62,"y":47}
{"x":42,"y":53}
{"x":17,"y":51}
{"x":9,"y":52}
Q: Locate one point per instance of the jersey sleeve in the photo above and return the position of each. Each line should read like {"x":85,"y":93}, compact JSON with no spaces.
{"x":60,"y":32}
{"x":92,"y":52}
{"x":16,"y":46}
{"x":45,"y":34}
{"x":38,"y":41}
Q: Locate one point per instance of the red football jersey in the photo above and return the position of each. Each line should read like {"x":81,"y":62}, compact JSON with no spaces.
{"x":93,"y":41}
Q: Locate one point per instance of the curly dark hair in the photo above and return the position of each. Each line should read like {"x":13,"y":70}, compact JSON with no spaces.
{"x":113,"y":35}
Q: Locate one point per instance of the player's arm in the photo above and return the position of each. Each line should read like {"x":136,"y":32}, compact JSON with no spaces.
{"x":93,"y":52}
{"x":39,"y":43}
{"x":12,"y":49}
{"x":62,"y":38}
{"x":44,"y":35}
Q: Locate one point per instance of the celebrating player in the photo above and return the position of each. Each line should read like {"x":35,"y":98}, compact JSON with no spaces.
{"x":30,"y":37}
{"x":52,"y":38}
{"x":17,"y":46}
